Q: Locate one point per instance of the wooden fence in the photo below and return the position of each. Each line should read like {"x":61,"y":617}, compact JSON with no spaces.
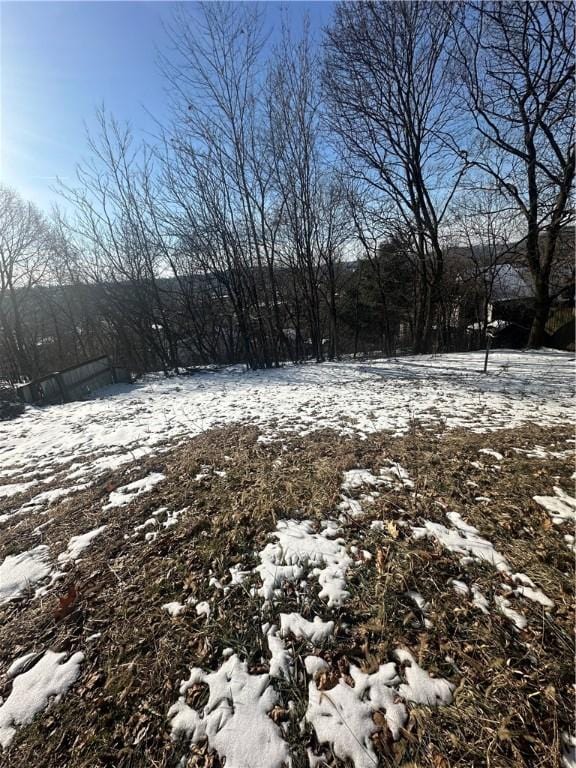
{"x":72,"y":383}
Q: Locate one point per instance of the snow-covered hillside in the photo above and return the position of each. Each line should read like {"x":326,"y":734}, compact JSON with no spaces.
{"x":124,"y":422}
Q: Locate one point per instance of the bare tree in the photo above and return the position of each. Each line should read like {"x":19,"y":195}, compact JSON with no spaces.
{"x":333,"y":237}
{"x":482,"y":233}
{"x":376,"y":228}
{"x":294,"y":114}
{"x":123,"y":254}
{"x":219,"y":171}
{"x":390,"y":95}
{"x":517,"y":63}
{"x":24,"y":257}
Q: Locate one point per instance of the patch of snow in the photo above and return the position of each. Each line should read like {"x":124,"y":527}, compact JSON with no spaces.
{"x":314,"y":665}
{"x":396,"y":474}
{"x":151,"y":522}
{"x":522,"y":578}
{"x":518,"y":619}
{"x":298,"y":551}
{"x":536,"y":595}
{"x":460,"y":586}
{"x":172,"y":517}
{"x":562,"y":506}
{"x":330,"y":528}
{"x":463,"y":539}
{"x":32,"y":690}
{"x":207,"y":471}
{"x":49,"y":497}
{"x":122,"y":423}
{"x":316,"y":632}
{"x":174,"y":608}
{"x":351,"y":507}
{"x":281,"y":661}
{"x":18,"y":664}
{"x":422,"y":605}
{"x":343,"y":716}
{"x":78,"y":544}
{"x":568,"y":751}
{"x":358,"y":478}
{"x":203,"y":609}
{"x":54,"y":577}
{"x":14,"y":488}
{"x":214,"y":582}
{"x":126,"y":493}
{"x":237,"y":575}
{"x":39,"y":528}
{"x":420,"y":688}
{"x":18,"y":572}
{"x":108,"y":463}
{"x":489,"y":452}
{"x":458,"y":522}
{"x":479,"y":599}
{"x":539,"y":452}
{"x":235,"y":720}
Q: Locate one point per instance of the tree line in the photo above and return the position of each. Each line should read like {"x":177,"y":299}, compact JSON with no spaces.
{"x":307,"y":199}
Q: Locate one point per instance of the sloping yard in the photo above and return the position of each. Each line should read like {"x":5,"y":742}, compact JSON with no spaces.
{"x":337,"y":565}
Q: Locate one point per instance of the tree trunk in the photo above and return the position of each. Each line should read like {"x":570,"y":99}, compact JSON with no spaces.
{"x":537,"y":336}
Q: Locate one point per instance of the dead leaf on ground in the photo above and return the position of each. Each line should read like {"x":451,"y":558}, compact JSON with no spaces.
{"x":66,"y":604}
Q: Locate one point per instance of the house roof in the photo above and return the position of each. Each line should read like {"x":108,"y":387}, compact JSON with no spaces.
{"x":511,"y":282}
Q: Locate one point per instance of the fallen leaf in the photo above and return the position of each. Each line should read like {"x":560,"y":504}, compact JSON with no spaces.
{"x":438,"y":759}
{"x":278,"y":714}
{"x":381,"y":556}
{"x":66,"y":604}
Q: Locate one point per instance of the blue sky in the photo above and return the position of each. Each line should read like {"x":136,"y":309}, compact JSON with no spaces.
{"x":60,"y":60}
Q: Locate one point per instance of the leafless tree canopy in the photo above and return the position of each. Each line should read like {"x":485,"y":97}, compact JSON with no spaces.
{"x":386,"y":188}
{"x":517,"y":66}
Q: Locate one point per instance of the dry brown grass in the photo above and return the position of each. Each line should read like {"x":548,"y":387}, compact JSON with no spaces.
{"x":514,"y":694}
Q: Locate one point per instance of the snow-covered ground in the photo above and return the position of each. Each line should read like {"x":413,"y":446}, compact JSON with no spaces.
{"x":124,"y":422}
{"x":67,"y":447}
{"x":240,"y":702}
